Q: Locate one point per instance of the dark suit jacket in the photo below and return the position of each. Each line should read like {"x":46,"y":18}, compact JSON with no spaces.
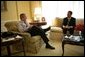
{"x":72,"y":22}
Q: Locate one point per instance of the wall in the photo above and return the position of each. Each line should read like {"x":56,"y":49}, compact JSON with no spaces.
{"x":14,"y":8}
{"x":34,"y":4}
{"x":23,"y":7}
{"x":9,"y":15}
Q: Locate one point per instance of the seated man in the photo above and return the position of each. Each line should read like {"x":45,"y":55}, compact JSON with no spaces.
{"x":69,"y":24}
{"x":33,"y":30}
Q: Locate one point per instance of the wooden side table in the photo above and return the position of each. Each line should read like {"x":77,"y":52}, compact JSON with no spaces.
{"x":38,"y":23}
{"x":11,"y":42}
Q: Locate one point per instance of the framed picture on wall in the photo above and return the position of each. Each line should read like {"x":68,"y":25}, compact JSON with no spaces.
{"x":3,"y":6}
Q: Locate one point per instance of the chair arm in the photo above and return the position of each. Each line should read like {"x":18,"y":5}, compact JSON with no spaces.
{"x":22,"y":34}
{"x":25,"y":34}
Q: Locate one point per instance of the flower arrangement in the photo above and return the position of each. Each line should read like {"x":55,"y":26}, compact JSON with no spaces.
{"x":79,"y":27}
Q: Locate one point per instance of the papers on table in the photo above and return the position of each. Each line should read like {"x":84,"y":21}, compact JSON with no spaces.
{"x":74,"y":38}
{"x":18,"y":36}
{"x":10,"y":38}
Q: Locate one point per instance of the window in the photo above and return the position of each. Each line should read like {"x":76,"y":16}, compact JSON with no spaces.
{"x":53,"y":9}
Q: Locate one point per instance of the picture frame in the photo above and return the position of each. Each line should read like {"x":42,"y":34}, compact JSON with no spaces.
{"x":3,"y":6}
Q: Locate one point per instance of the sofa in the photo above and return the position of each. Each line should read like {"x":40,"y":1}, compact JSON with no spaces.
{"x":57,"y":22}
{"x":56,"y":32}
{"x":32,"y":43}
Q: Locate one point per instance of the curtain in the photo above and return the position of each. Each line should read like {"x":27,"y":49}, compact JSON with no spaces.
{"x":53,"y":9}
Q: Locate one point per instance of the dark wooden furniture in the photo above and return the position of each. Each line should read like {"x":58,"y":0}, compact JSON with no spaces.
{"x":38,"y":23}
{"x":72,"y":42}
{"x":11,"y":42}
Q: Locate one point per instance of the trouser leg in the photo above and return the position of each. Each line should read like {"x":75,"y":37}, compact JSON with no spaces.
{"x":38,"y":31}
{"x":71,"y":31}
{"x":65,"y":30}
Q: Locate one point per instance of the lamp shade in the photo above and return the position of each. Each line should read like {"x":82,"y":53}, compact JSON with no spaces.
{"x":37,"y":11}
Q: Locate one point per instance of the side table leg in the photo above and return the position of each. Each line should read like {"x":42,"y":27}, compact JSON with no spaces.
{"x":8,"y":51}
{"x":23,"y":47}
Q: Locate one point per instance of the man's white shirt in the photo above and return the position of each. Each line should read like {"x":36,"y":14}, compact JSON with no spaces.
{"x":23,"y":26}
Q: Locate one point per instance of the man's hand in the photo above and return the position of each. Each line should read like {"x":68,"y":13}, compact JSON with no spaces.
{"x":70,"y":27}
{"x":64,"y":26}
{"x":67,"y":26}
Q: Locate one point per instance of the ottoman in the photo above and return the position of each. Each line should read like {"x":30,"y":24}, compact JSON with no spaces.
{"x":56,"y":33}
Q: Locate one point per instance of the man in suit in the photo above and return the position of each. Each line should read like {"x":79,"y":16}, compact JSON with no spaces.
{"x":69,"y":23}
{"x":24,"y":26}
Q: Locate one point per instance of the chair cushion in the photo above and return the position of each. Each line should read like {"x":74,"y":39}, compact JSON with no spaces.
{"x":11,"y":25}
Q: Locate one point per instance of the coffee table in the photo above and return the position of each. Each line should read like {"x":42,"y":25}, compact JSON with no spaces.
{"x":72,"y":42}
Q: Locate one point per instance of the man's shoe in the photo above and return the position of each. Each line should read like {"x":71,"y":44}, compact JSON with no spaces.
{"x":49,"y":47}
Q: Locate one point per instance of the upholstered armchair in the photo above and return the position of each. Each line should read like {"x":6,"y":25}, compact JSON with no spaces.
{"x":32,"y":44}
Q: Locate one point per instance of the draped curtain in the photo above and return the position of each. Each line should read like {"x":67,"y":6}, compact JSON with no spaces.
{"x":53,"y":9}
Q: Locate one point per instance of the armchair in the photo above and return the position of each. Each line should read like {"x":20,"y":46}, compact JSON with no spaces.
{"x":32,"y":44}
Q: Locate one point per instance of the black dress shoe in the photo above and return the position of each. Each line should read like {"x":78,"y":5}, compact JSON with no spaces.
{"x":49,"y":47}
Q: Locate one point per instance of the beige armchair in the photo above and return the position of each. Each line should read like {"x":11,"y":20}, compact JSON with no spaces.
{"x":32,"y":44}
